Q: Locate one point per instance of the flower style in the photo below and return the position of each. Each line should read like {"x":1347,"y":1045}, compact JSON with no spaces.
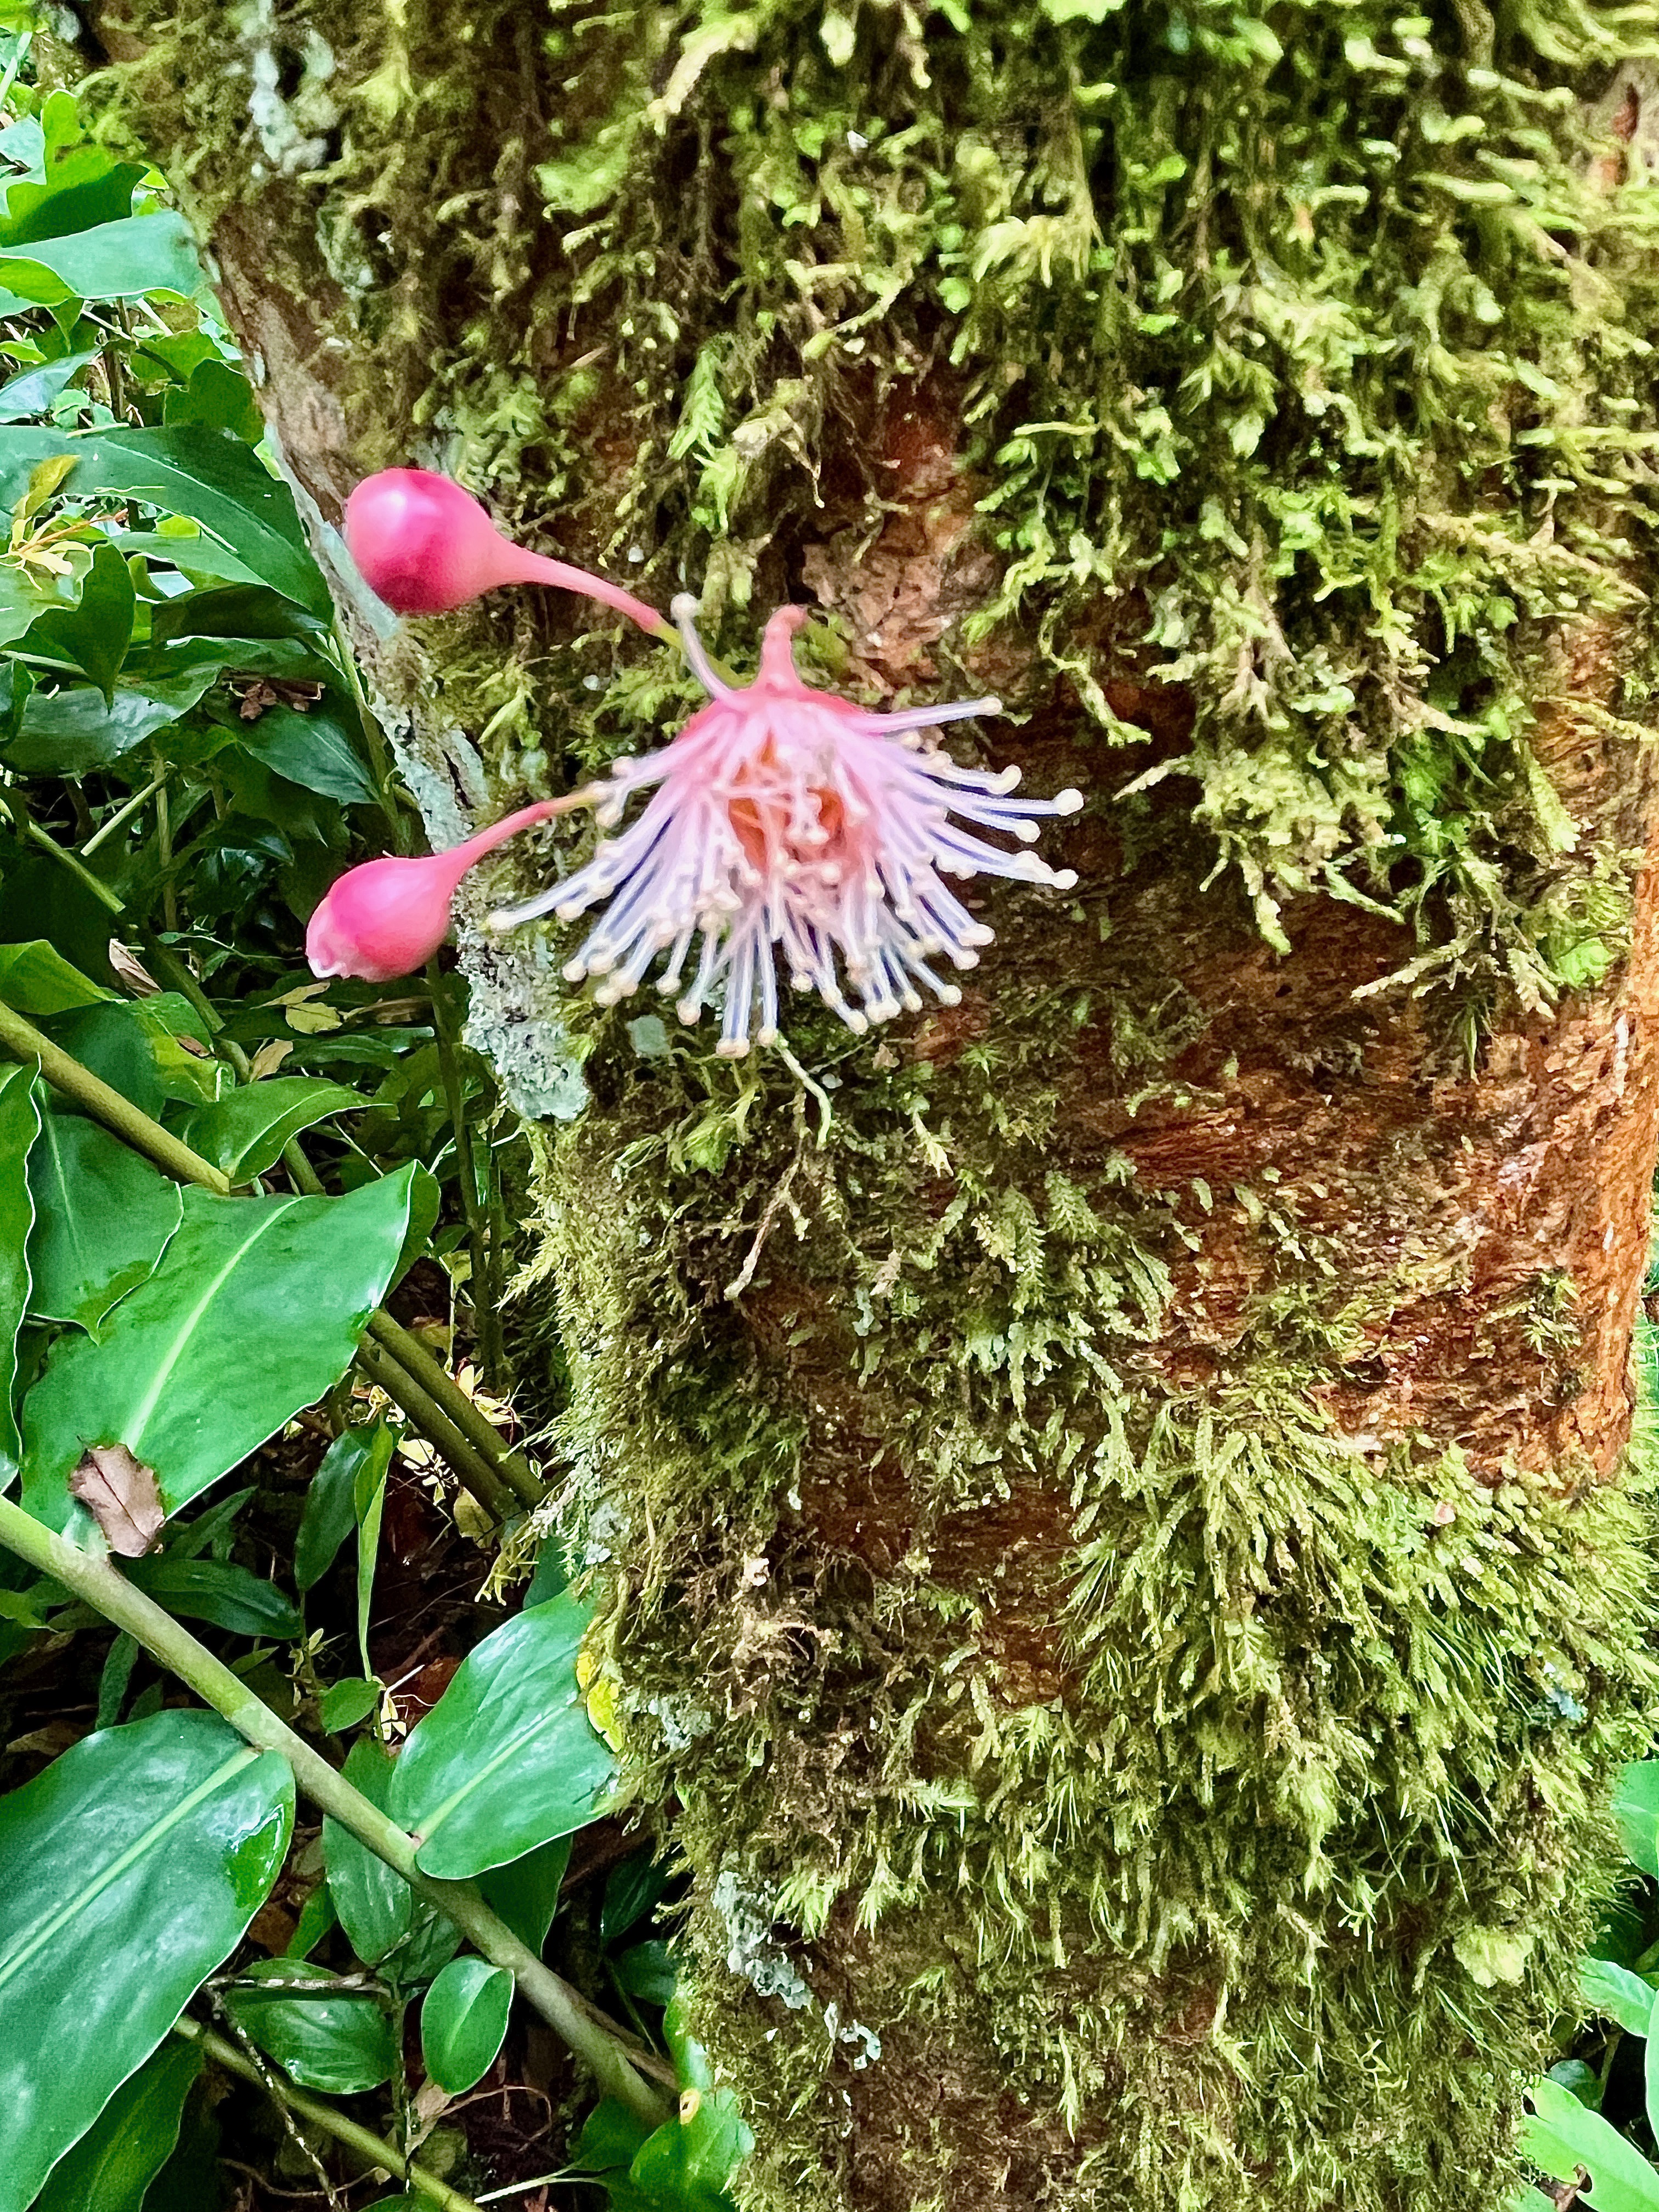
{"x":788,"y":817}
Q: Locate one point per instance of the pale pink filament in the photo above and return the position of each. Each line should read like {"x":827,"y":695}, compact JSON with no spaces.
{"x":787,"y":816}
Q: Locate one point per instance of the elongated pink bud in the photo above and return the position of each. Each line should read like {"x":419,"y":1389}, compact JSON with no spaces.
{"x":427,"y":547}
{"x":388,"y":917}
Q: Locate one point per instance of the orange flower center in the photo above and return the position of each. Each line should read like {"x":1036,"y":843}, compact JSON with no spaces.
{"x":762,"y":820}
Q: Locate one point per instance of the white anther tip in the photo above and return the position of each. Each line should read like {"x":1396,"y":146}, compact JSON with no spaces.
{"x":1067,"y":802}
{"x":1064,"y":879}
{"x":683,"y":606}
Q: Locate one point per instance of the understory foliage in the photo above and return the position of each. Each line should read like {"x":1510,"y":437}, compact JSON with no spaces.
{"x":221,"y":1982}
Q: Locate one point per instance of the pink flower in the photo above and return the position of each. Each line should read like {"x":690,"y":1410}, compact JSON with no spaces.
{"x":788,"y":817}
{"x":427,"y":547}
{"x":388,"y":917}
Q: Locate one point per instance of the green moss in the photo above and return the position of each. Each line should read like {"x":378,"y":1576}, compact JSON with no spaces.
{"x":1310,"y":336}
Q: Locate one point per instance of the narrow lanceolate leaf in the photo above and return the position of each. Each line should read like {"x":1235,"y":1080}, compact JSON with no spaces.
{"x":375,"y":1904}
{"x":463,"y":2022}
{"x":506,"y":1759}
{"x":254,"y":1311}
{"x":128,"y":1871}
{"x":36,"y":979}
{"x":111,"y":2168}
{"x":20,"y":1124}
{"x":103,"y":1217}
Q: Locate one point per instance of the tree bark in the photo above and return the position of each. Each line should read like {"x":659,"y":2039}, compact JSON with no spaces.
{"x":1110,"y":1500}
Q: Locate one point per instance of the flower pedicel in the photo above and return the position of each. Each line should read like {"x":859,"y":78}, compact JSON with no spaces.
{"x":784,"y":820}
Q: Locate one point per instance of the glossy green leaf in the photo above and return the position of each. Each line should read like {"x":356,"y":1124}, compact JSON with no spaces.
{"x":1617,"y":1994}
{"x":72,"y":731}
{"x":36,"y":979}
{"x":630,"y":1892}
{"x":375,"y":1903}
{"x":219,"y":397}
{"x":313,"y":750}
{"x":341,"y":2045}
{"x":86,"y":185}
{"x":121,"y":261}
{"x":189,"y":2182}
{"x":113,"y":2166}
{"x":1561,"y":2135}
{"x":129,"y":1870}
{"x":1635,"y":1808}
{"x":33,"y":392}
{"x":525,"y":1892}
{"x":244,"y":1133}
{"x":95,"y":632}
{"x":219,"y":483}
{"x":20,"y":1124}
{"x":685,"y":2165}
{"x":507,"y":1759}
{"x":255,"y":1310}
{"x":330,"y":1509}
{"x":611,"y":2138}
{"x":103,"y":1217}
{"x":220,"y":1592}
{"x":647,"y":1970}
{"x":198,"y":554}
{"x":134,"y":1045}
{"x":463,"y":2022}
{"x":347,"y":1703}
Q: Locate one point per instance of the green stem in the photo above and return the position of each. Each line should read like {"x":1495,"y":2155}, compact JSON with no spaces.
{"x":327,"y":2119}
{"x":436,"y":1381}
{"x":478,"y":1228}
{"x":98,"y":1584}
{"x":71,"y":861}
{"x":164,"y":858}
{"x":121,"y":816}
{"x":474,"y":1471}
{"x":374,"y":739}
{"x":21,"y":1038}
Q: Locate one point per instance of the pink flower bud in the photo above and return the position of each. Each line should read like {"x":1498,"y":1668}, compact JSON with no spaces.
{"x":427,"y":547}
{"x":388,"y":917}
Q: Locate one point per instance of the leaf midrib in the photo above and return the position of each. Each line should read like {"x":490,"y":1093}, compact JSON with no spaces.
{"x":241,"y":1759}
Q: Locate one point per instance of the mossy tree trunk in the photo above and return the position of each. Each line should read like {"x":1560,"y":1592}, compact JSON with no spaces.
{"x":1112,"y":1504}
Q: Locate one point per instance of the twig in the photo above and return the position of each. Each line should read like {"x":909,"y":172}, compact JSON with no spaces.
{"x":473,"y":1470}
{"x":477,"y":1227}
{"x":606,"y":2048}
{"x":327,"y":2120}
{"x":259,"y":2066}
{"x":435,"y":1380}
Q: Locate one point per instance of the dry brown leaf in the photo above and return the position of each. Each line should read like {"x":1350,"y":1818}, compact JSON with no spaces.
{"x":269,"y":1057}
{"x":137,"y":977}
{"x":120,"y":1493}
